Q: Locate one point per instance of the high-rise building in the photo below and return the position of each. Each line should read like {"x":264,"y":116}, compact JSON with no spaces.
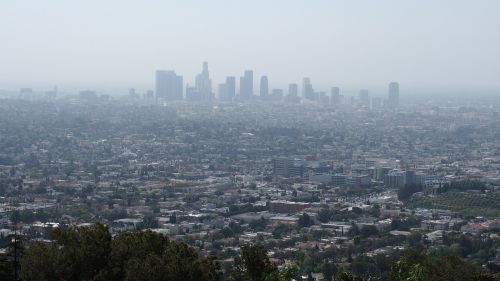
{"x":192,"y":93}
{"x":323,"y":98}
{"x":222,"y":92}
{"x":335,"y":96}
{"x":246,"y":85}
{"x":264,"y":87}
{"x":293,"y":93}
{"x":231,"y":87}
{"x":204,"y":84}
{"x":287,"y":167}
{"x":168,"y":85}
{"x":393,"y":98}
{"x":307,"y":89}
{"x":293,"y":90}
{"x":364,"y":98}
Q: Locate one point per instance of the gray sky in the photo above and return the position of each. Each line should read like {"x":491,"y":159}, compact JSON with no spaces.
{"x":446,"y":44}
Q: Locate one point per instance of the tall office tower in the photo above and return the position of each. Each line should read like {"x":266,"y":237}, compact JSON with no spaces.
{"x":293,"y":90}
{"x":307,"y":89}
{"x":222,"y":92}
{"x":293,"y":93}
{"x":192,"y":93}
{"x":323,"y":98}
{"x":335,"y":96}
{"x":203,"y":83}
{"x":264,"y":87}
{"x":231,"y":87}
{"x":246,"y":85}
{"x":364,"y":98}
{"x":393,"y":98}
{"x":168,"y":85}
{"x":287,"y":167}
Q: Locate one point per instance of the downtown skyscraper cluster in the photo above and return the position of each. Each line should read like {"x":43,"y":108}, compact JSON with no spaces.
{"x":170,"y":87}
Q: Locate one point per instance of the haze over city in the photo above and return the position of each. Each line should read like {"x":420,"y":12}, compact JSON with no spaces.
{"x":429,"y":46}
{"x":256,"y":140}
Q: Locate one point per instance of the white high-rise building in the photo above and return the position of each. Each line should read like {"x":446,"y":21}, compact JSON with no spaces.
{"x":307,"y":89}
{"x":203,"y":84}
{"x":246,"y":85}
{"x":168,"y":85}
{"x":264,"y":87}
{"x":393,"y":98}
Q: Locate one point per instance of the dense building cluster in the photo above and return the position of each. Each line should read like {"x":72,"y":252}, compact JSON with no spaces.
{"x":319,"y":185}
{"x":169,"y":87}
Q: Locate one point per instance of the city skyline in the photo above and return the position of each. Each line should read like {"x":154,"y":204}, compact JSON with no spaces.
{"x":283,"y":140}
{"x":445,"y":47}
{"x":169,"y":87}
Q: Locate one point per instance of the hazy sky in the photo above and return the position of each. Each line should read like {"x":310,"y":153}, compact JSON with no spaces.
{"x":452,"y":44}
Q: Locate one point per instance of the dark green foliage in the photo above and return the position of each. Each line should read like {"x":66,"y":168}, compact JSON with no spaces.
{"x":369,"y":230}
{"x":464,"y":185}
{"x":328,"y":269}
{"x":280,"y":229}
{"x":149,"y":221}
{"x":465,"y":203}
{"x":305,"y":220}
{"x":408,"y":190}
{"x":240,"y":209}
{"x":405,"y":224}
{"x":90,"y":253}
{"x":28,"y":216}
{"x":6,"y":268}
{"x":253,"y":264}
{"x":348,"y":276}
{"x":259,"y":224}
{"x":416,"y":266}
{"x":324,"y":215}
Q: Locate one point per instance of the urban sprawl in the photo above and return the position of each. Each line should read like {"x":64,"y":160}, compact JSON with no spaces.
{"x":320,"y":179}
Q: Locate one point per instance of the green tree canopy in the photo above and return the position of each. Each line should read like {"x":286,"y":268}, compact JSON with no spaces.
{"x":91,"y":253}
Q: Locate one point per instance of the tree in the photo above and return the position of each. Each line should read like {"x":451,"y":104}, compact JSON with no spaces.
{"x":418,"y":266}
{"x":39,"y":263}
{"x":402,"y":270}
{"x":324,"y":215}
{"x":90,"y":253}
{"x":253,"y":264}
{"x":328,"y":269}
{"x":6,"y":269}
{"x":149,"y":221}
{"x":287,"y":273}
{"x":173,"y":218}
{"x":348,"y":276}
{"x":305,"y":220}
{"x":369,"y":230}
{"x":279,"y":230}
